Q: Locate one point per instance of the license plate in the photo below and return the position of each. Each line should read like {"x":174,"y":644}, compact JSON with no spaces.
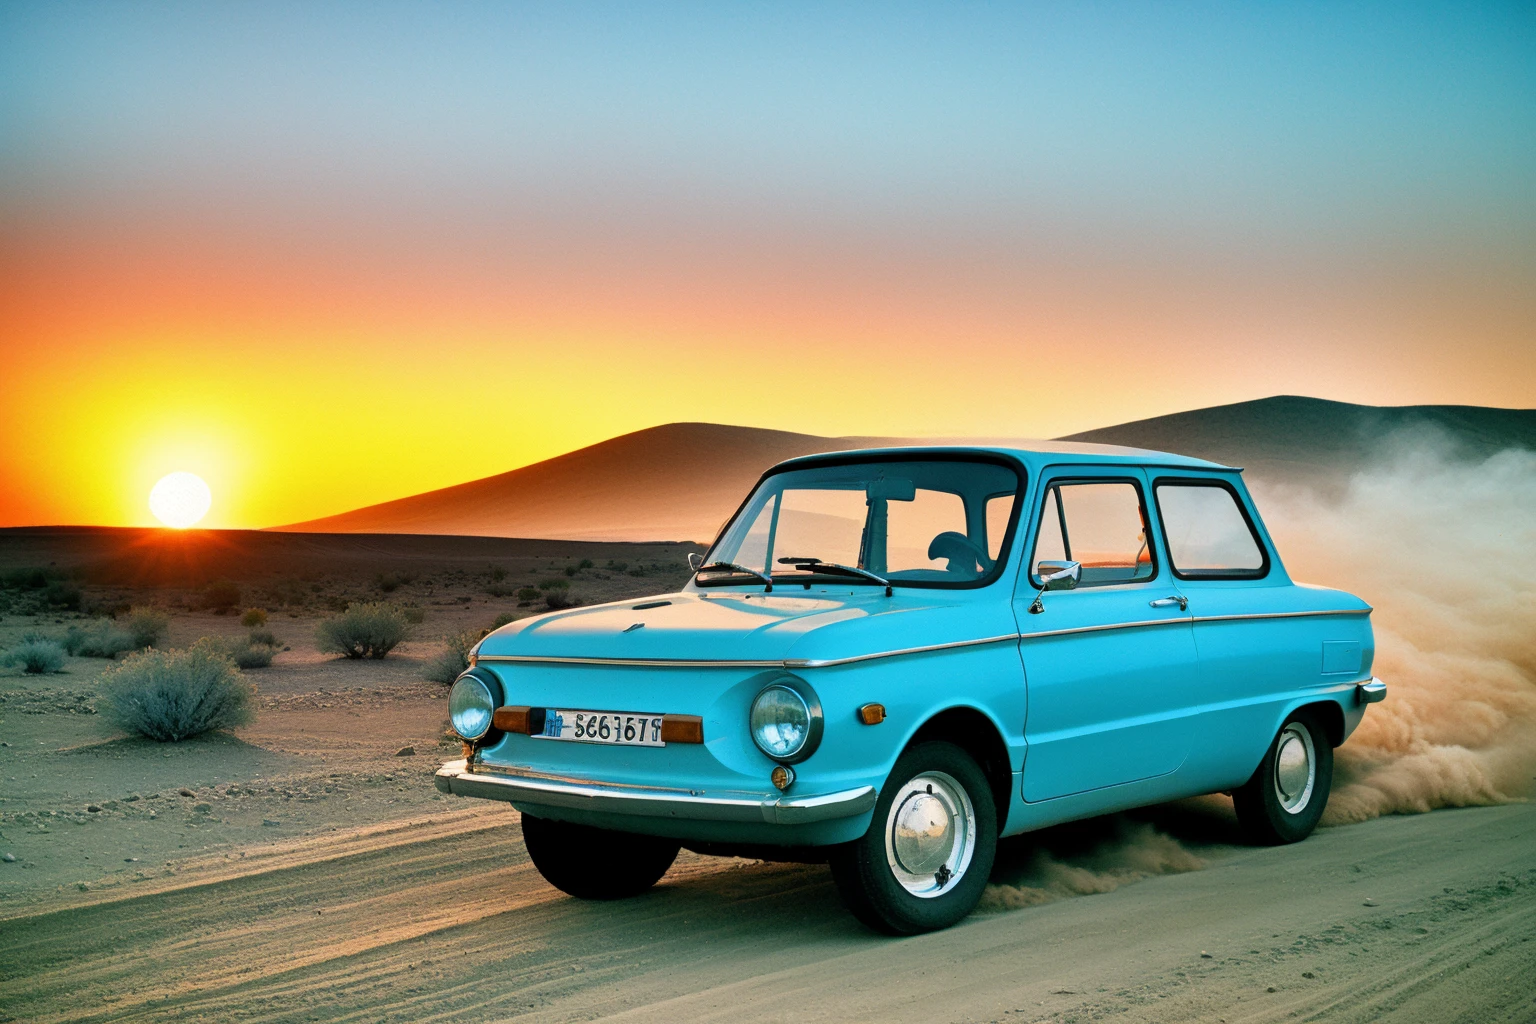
{"x":619,"y":727}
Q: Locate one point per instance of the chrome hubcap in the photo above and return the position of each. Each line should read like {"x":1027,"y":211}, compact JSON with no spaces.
{"x":1295,"y":768}
{"x":930,"y":834}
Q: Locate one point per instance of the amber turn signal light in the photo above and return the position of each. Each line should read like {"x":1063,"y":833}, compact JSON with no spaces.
{"x":783,"y":777}
{"x":872,"y":714}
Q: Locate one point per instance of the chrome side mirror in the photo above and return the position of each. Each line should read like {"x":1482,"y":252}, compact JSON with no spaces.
{"x":695,"y":561}
{"x":1059,"y":575}
{"x":1055,"y":576}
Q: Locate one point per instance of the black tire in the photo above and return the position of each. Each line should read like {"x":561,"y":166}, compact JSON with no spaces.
{"x":864,"y":871}
{"x":1261,"y":802}
{"x":596,"y":863}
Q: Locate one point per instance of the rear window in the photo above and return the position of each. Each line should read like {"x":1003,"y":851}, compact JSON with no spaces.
{"x":1209,"y":535}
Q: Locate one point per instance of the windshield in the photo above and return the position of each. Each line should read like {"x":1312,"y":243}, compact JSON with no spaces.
{"x":914,"y":522}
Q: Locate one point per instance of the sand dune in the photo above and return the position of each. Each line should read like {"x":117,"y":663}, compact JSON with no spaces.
{"x":680,"y":481}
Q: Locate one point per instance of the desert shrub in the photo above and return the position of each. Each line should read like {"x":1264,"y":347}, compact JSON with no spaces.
{"x":221,"y":596}
{"x":585,"y":563}
{"x":498,"y":574}
{"x":616,"y":565}
{"x":500,"y":589}
{"x":101,"y":639}
{"x":554,"y":600}
{"x":146,"y":626}
{"x":364,"y":631}
{"x":388,"y":582}
{"x":638,"y":570}
{"x":264,"y":636}
{"x":415,"y":614}
{"x":446,"y":666}
{"x":528,"y":594}
{"x":28,"y":579}
{"x":556,"y":583}
{"x":173,"y":695}
{"x":503,"y":619}
{"x":62,"y":594}
{"x":571,"y":570}
{"x":254,"y":617}
{"x":248,"y":655}
{"x":36,"y":655}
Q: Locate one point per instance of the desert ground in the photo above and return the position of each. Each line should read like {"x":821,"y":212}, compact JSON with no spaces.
{"x":304,"y":868}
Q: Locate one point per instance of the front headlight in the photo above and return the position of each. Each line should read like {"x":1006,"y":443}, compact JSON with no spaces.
{"x":786,"y":722}
{"x":470,"y":707}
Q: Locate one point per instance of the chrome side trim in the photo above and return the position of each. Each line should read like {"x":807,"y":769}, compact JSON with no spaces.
{"x":772,"y":808}
{"x":1371,"y":692}
{"x":1284,"y":615}
{"x":801,"y":663}
{"x":553,"y":659}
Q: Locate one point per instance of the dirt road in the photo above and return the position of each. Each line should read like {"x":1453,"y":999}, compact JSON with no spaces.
{"x":1430,"y":917}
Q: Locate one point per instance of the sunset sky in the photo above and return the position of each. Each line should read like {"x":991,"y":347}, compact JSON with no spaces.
{"x":327,"y":255}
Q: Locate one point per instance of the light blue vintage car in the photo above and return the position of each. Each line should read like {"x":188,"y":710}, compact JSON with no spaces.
{"x":890,"y":658}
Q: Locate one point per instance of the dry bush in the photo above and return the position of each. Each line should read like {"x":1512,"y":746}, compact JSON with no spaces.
{"x":36,"y":656}
{"x":447,"y":666}
{"x":146,"y":626}
{"x":506,"y":617}
{"x":100,"y":639}
{"x":529,"y":594}
{"x":415,"y":614}
{"x":364,"y":631}
{"x":560,"y":598}
{"x":265,"y":636}
{"x":254,"y":617}
{"x":63,"y":594}
{"x":173,"y":695}
{"x":221,"y":597}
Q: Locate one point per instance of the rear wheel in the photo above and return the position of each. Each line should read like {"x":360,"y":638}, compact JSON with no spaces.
{"x":925,"y":860}
{"x":596,"y":863}
{"x":1285,"y":798}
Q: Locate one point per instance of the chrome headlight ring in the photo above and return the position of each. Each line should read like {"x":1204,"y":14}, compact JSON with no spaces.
{"x":472,"y":704}
{"x":785,"y":720}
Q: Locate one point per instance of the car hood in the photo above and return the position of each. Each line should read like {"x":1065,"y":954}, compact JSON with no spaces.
{"x":733,"y":625}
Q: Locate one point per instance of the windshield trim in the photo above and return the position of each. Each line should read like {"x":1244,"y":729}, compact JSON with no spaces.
{"x":1010,"y":536}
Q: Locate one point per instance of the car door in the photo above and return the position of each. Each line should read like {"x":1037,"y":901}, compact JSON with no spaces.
{"x":1110,"y":665}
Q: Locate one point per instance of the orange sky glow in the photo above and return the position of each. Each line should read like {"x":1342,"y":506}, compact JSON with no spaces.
{"x":310,"y":340}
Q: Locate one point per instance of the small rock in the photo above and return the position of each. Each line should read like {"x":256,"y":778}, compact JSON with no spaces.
{"x":269,"y":823}
{"x":405,"y":752}
{"x":131,"y":798}
{"x":186,"y":792}
{"x":1270,"y":989}
{"x":202,"y":808}
{"x":129,"y":860}
{"x":1205,"y":956}
{"x":1308,"y":974}
{"x":9,"y":858}
{"x":1370,"y":902}
{"x":93,"y":808}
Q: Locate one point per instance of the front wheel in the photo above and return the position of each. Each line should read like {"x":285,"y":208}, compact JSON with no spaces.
{"x":1285,"y":798}
{"x":596,"y":863}
{"x":924,"y":861}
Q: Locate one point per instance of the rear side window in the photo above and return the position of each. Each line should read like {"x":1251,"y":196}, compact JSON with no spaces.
{"x":1100,"y":524}
{"x":1209,"y":534}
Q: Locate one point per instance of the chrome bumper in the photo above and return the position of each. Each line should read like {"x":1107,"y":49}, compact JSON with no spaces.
{"x":541,"y":790}
{"x":1371,"y":692}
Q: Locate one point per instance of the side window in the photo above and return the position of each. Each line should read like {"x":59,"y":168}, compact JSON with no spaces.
{"x":1208,"y":534}
{"x":1101,"y":525}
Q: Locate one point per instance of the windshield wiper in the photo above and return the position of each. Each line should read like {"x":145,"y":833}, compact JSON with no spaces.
{"x":733,"y":567}
{"x":835,"y":569}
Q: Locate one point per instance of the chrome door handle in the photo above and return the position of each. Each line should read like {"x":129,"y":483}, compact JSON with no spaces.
{"x":1169,"y":602}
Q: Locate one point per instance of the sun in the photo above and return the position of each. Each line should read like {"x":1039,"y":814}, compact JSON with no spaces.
{"x":180,"y":499}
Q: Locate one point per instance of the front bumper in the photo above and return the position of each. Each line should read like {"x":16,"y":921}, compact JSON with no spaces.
{"x":540,"y":790}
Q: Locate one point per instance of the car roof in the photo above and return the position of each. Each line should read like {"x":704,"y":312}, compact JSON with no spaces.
{"x":1032,"y":453}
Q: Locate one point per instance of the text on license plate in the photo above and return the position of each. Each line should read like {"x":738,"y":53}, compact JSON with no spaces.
{"x":602,"y":727}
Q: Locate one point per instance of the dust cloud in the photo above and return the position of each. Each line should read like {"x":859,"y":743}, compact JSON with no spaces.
{"x":1135,"y":851}
{"x":1444,"y":548}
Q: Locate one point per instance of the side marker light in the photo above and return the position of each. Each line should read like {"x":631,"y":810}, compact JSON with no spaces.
{"x":872,"y":714}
